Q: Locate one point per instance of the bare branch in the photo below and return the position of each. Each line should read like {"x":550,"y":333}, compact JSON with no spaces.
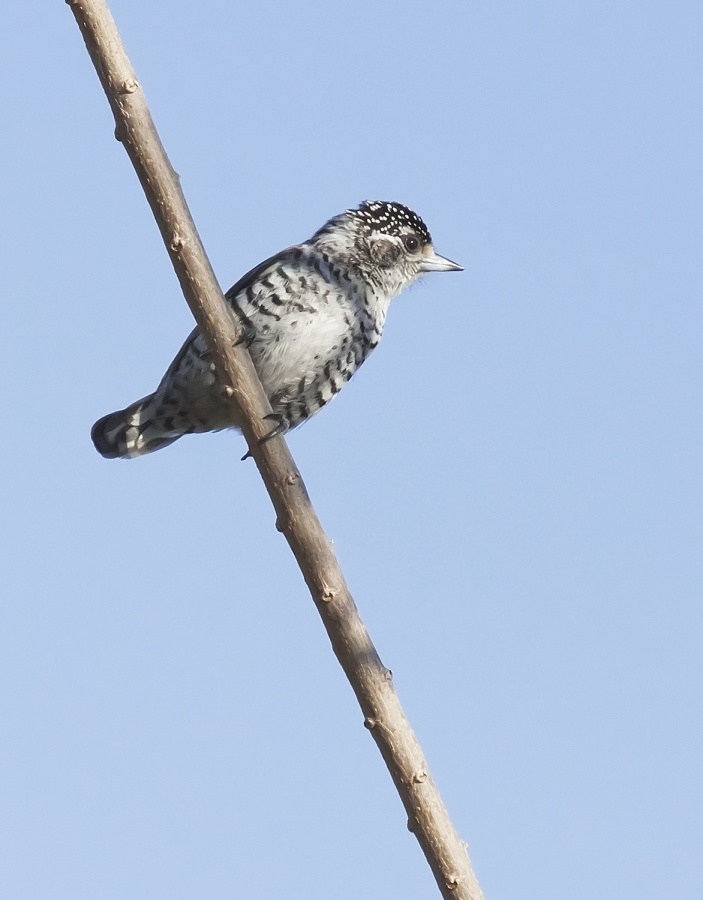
{"x":370,"y":680}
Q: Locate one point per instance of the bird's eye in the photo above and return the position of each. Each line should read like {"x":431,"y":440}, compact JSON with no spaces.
{"x":411,"y":243}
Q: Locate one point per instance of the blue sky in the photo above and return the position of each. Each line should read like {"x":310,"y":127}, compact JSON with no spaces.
{"x":513,"y":481}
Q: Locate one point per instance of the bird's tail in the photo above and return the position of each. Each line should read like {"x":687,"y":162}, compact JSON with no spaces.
{"x":134,"y":431}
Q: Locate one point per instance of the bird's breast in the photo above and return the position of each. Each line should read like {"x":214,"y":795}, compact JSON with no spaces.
{"x":314,"y":327}
{"x":303,"y":345}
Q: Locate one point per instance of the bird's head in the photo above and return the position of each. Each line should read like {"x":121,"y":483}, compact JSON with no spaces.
{"x":387,"y":243}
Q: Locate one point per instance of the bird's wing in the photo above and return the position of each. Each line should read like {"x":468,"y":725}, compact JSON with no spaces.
{"x":251,"y":277}
{"x":260,"y":271}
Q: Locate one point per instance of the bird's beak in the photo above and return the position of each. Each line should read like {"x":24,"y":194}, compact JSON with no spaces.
{"x":437,"y":263}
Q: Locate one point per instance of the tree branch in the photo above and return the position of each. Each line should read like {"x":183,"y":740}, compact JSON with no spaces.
{"x":296,"y":518}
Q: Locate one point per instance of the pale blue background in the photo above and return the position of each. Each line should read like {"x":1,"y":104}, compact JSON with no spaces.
{"x":513,"y":482}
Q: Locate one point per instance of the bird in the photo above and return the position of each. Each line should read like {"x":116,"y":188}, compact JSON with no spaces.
{"x":310,"y":316}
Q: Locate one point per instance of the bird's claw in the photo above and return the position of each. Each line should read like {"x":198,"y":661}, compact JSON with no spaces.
{"x":281,"y":427}
{"x":246,"y":336}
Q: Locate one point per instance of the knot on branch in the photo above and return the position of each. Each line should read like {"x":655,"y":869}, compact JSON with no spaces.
{"x":328,"y":595}
{"x":452,"y":882}
{"x":420,"y":777}
{"x":177,"y":241}
{"x":129,"y":86}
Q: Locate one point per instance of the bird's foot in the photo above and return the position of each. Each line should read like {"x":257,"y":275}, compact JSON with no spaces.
{"x":281,"y":427}
{"x":246,"y":336}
